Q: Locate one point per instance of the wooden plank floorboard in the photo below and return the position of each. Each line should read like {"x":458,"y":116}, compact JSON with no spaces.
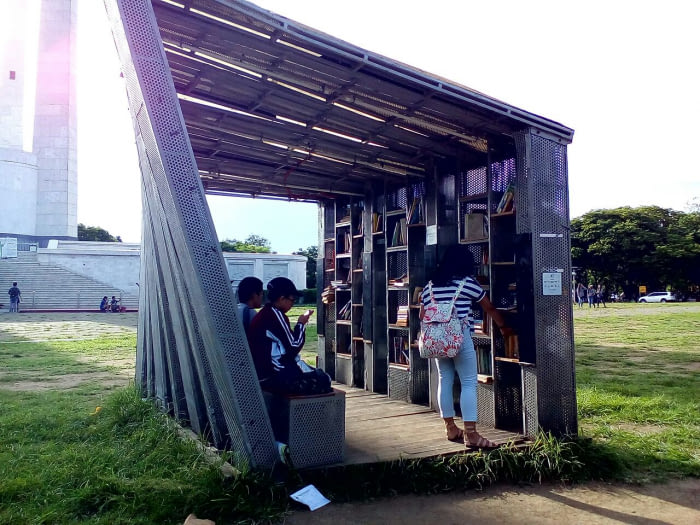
{"x":379,"y":429}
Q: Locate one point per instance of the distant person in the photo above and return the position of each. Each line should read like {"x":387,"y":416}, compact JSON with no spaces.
{"x":114,"y":304}
{"x":275,"y":346}
{"x":104,"y":304}
{"x":580,"y":294}
{"x":592,"y":302}
{"x":250,"y":298}
{"x":600,"y":292}
{"x":15,"y":295}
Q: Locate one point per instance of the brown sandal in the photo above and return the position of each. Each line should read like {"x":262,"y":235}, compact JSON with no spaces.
{"x":476,"y":440}
{"x":454,"y":433}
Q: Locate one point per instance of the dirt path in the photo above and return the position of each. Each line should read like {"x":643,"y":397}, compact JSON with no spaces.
{"x":675,"y":503}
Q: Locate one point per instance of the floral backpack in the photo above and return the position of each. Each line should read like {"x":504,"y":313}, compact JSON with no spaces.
{"x":440,"y":329}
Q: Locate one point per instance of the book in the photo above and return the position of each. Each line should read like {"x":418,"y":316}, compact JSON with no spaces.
{"x":376,"y":223}
{"x":506,"y":199}
{"x":475,"y":227}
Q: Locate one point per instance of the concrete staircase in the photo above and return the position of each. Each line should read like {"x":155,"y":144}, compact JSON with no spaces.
{"x":50,"y":287}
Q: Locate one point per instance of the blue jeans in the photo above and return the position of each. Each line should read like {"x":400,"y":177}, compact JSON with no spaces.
{"x":464,"y":364}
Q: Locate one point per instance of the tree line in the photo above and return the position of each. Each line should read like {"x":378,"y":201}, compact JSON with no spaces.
{"x":621,"y":248}
{"x":626,"y":247}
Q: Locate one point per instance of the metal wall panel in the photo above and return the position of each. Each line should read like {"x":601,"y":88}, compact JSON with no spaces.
{"x":188,"y":257}
{"x":543,"y":176}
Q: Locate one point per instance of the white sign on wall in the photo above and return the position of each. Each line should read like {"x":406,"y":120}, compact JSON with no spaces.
{"x":272,"y":270}
{"x":8,"y":247}
{"x":237,"y":270}
{"x":551,"y":283}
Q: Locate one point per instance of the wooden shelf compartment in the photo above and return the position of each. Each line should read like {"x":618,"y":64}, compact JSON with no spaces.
{"x":359,"y":339}
{"x":513,"y":360}
{"x":475,"y":197}
{"x":510,"y":213}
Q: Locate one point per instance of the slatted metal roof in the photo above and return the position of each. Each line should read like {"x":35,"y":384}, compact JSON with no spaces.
{"x":275,"y":108}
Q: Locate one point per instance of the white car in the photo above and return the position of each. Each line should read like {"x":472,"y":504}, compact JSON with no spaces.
{"x":658,"y":297}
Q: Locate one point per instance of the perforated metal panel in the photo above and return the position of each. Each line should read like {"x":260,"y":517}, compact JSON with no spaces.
{"x":546,"y":193}
{"x":530,"y":419}
{"x":212,"y":350}
{"x":317,"y":430}
{"x":343,"y":369}
{"x":485,"y":406}
{"x":398,"y":384}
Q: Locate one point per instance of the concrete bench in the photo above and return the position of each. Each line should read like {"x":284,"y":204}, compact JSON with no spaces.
{"x":312,"y":426}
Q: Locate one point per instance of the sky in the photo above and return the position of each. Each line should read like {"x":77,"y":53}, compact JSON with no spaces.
{"x":622,"y":74}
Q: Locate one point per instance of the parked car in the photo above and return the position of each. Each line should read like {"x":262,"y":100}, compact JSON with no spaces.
{"x":658,"y":297}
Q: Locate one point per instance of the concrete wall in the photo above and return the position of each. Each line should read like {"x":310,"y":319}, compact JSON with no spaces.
{"x":55,"y":121}
{"x":18,"y":184}
{"x":117,"y":264}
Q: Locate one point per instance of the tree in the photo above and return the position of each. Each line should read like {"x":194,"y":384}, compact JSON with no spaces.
{"x":311,"y":254}
{"x":627,"y":247}
{"x":95,"y":233}
{"x":253,"y":244}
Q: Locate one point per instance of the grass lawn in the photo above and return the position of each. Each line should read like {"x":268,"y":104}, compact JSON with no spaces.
{"x":638,"y":386}
{"x":64,"y":460}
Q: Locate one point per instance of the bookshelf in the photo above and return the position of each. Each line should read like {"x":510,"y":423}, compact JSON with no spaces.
{"x":405,"y":237}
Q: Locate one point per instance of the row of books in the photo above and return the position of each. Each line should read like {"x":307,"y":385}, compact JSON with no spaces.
{"x":376,"y":223}
{"x":344,"y":241}
{"x":506,"y":202}
{"x":345,"y":312}
{"x":414,"y":213}
{"x":399,"y":237}
{"x":399,"y":350}
{"x":483,"y":355}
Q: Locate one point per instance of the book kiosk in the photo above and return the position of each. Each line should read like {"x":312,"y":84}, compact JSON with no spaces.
{"x":230,"y":99}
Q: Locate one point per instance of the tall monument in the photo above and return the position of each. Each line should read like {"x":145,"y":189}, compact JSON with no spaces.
{"x":38,"y":177}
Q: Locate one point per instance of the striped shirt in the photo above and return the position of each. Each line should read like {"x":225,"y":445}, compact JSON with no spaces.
{"x":471,"y":291}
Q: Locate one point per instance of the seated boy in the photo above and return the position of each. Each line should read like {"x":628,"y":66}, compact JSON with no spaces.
{"x":275,"y":346}
{"x":250,"y":296}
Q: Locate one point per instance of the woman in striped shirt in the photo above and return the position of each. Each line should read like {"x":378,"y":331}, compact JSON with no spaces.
{"x":456,"y":266}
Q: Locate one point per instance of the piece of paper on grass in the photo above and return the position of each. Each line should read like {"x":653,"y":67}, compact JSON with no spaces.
{"x":310,"y":496}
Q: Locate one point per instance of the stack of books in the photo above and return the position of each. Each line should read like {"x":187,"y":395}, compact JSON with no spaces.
{"x":399,"y":281}
{"x":328,"y":295}
{"x":340,"y":284}
{"x":402,"y":316}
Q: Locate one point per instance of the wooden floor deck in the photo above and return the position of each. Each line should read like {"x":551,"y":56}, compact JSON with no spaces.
{"x":379,"y":429}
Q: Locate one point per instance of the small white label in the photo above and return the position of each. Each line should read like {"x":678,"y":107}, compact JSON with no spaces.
{"x":431,"y":235}
{"x":551,"y":283}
